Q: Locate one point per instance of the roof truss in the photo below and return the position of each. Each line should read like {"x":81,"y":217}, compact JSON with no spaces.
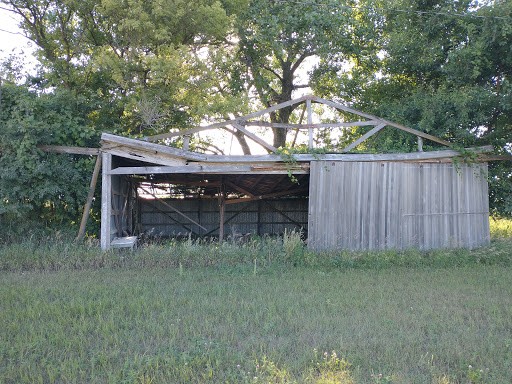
{"x":364,"y":119}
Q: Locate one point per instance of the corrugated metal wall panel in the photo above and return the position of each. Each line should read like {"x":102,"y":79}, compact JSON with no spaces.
{"x":379,"y":205}
{"x":256,"y":217}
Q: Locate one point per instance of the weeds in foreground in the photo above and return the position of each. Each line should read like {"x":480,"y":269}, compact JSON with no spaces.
{"x":52,"y":254}
{"x":501,"y":228}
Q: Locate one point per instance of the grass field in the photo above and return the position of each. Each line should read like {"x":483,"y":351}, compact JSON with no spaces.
{"x":261,"y":312}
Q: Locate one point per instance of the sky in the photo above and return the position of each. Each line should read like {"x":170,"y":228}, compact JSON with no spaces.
{"x":12,"y":41}
{"x":11,"y":38}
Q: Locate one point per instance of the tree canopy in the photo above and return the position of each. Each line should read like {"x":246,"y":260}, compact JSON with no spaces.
{"x":141,"y":68}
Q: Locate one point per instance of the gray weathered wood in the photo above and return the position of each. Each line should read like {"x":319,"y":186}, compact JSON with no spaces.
{"x":432,"y":155}
{"x":267,"y":196}
{"x":387,"y":122}
{"x":366,"y":136}
{"x":146,"y":156}
{"x":365,"y":206}
{"x":90,"y":196}
{"x":106,"y":202}
{"x":255,"y":138}
{"x":310,"y":122}
{"x":69,"y":150}
{"x":110,"y":139}
{"x":275,"y":108}
{"x":312,"y":125}
{"x":211,"y":169}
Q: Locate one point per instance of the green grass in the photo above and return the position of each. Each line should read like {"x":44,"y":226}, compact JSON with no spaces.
{"x":259,"y":312}
{"x":409,"y":325}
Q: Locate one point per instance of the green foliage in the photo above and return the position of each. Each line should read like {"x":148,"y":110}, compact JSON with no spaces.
{"x":277,"y":38}
{"x":444,"y":69}
{"x":38,"y":188}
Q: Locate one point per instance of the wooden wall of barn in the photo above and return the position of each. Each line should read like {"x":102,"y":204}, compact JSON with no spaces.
{"x":392,"y":205}
{"x":257,"y":217}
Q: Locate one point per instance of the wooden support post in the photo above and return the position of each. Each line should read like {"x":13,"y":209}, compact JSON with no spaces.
{"x":420,"y":144}
{"x":186,"y":142}
{"x":222,"y":209}
{"x":90,"y":196}
{"x":106,"y":201}
{"x":310,"y":121}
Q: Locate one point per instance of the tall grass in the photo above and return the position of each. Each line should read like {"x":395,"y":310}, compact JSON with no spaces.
{"x":395,"y":325}
{"x":265,"y":310}
{"x":52,"y":254}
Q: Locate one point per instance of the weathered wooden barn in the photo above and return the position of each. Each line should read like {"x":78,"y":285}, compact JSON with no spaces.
{"x":356,"y":201}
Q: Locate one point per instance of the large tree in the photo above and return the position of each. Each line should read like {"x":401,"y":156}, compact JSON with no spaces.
{"x":276,"y":38}
{"x":445,"y":69}
{"x":140,"y":61}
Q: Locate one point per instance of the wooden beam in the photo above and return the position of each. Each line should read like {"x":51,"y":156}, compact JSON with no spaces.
{"x":189,"y":131}
{"x":69,"y":150}
{"x":366,"y":136}
{"x":310,"y":122}
{"x":146,"y":156}
{"x":307,"y":126}
{"x":171,"y":207}
{"x":387,"y":122}
{"x":106,"y":201}
{"x":222,"y":210}
{"x":90,"y":196}
{"x":109,"y":139}
{"x":239,"y":189}
{"x":186,"y":142}
{"x":275,"y":108}
{"x":267,"y":196}
{"x":448,"y":153}
{"x":213,"y":169}
{"x":420,"y":144}
{"x":255,"y":138}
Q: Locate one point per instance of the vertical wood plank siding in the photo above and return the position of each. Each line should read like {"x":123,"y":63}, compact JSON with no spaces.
{"x":391,"y":205}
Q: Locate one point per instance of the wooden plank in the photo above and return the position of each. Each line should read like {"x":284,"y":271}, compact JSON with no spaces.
{"x":420,"y":144}
{"x":387,"y":122}
{"x":255,"y":138}
{"x":69,"y":150}
{"x":275,"y":108}
{"x":363,"y":206}
{"x":146,"y":157}
{"x":344,"y":108}
{"x":310,"y":122}
{"x":366,"y":136}
{"x":211,"y":169}
{"x":106,"y":202}
{"x":419,"y":133}
{"x":171,"y":207}
{"x":312,"y":125}
{"x":238,"y":188}
{"x":90,"y":196}
{"x":413,"y":156}
{"x":189,"y":131}
{"x":267,"y":196}
{"x":109,"y":139}
{"x":222,"y":210}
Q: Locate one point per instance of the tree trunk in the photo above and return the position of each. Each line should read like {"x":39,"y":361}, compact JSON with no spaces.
{"x":242,"y":141}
